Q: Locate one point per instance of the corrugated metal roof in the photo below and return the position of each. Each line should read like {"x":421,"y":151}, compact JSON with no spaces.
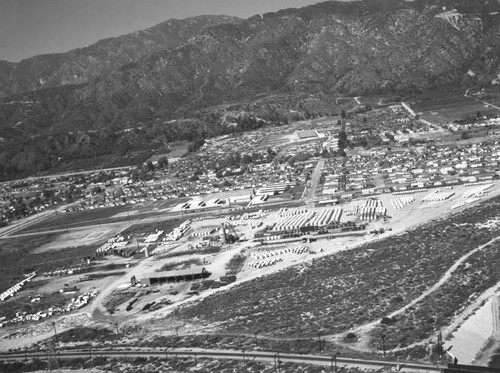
{"x":175,"y":273}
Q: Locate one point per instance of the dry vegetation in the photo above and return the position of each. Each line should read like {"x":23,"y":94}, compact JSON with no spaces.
{"x":476,"y":275}
{"x":174,"y":365}
{"x":330,"y":295}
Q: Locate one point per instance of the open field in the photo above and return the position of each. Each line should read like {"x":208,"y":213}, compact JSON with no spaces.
{"x":83,"y":237}
{"x":16,"y":258}
{"x":275,"y":140}
{"x":450,"y":108}
{"x":105,"y":215}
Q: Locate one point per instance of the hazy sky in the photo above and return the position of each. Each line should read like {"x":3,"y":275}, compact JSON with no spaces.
{"x":31,"y":27}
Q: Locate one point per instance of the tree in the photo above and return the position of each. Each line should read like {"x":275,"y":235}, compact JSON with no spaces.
{"x":246,"y":159}
{"x":343,"y":141}
{"x":149,"y":166}
{"x":48,"y":193}
{"x":163,"y":162}
{"x":465,"y":135}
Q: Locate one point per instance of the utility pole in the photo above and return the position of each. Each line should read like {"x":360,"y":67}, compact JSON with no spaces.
{"x":55,"y":334}
{"x":440,"y":345}
{"x":117,"y":330}
{"x":256,"y":341}
{"x":277,"y":362}
{"x":319,"y":341}
{"x":333,"y":367}
{"x":383,"y":343}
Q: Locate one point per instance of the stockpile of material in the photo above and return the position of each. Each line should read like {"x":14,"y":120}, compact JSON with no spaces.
{"x":325,"y":217}
{"x":477,"y":192}
{"x":371,"y":210}
{"x":205,"y":231}
{"x":265,"y":263}
{"x":294,"y":222}
{"x":437,"y":196}
{"x":153,"y":237}
{"x":286,"y":212}
{"x":178,"y":232}
{"x":276,"y":252}
{"x":399,"y":203}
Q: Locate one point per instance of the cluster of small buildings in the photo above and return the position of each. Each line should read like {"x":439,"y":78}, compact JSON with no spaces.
{"x":397,"y":123}
{"x":383,"y":169}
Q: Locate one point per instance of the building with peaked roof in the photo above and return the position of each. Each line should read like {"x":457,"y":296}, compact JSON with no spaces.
{"x":306,"y":135}
{"x":191,"y":274}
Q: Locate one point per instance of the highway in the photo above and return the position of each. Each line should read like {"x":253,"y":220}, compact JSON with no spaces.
{"x":243,"y":355}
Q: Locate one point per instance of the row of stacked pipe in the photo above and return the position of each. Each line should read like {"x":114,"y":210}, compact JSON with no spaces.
{"x":472,"y":196}
{"x":371,"y":210}
{"x":437,"y":196}
{"x":309,"y":219}
{"x":270,"y":253}
{"x":205,"y":231}
{"x":285,"y":212}
{"x":399,"y":203}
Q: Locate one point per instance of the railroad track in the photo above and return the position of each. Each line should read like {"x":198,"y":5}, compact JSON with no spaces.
{"x":243,"y":355}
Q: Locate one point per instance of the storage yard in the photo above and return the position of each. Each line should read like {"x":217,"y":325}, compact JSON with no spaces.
{"x":265,"y":241}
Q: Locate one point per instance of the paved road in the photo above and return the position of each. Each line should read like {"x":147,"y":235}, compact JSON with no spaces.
{"x":315,"y":179}
{"x":233,"y":355}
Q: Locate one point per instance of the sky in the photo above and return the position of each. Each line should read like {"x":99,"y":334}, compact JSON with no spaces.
{"x":32,"y":27}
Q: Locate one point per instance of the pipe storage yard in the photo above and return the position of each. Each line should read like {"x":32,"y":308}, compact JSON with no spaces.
{"x":437,"y":196}
{"x":285,"y":212}
{"x":299,"y":218}
{"x":265,"y":253}
{"x":478,"y":192}
{"x":400,"y":203}
{"x":371,"y":209}
{"x":325,"y":217}
{"x":205,"y":231}
{"x":294,"y":222}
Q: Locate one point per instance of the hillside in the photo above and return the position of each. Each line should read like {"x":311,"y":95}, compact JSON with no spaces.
{"x":81,"y":65}
{"x":297,"y":59}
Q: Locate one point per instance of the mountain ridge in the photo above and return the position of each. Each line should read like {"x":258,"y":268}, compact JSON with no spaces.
{"x":82,"y":64}
{"x":268,"y":65}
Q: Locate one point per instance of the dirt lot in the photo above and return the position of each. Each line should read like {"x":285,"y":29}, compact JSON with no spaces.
{"x":83,"y":237}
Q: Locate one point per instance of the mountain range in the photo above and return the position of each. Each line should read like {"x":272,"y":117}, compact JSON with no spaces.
{"x":202,"y":67}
